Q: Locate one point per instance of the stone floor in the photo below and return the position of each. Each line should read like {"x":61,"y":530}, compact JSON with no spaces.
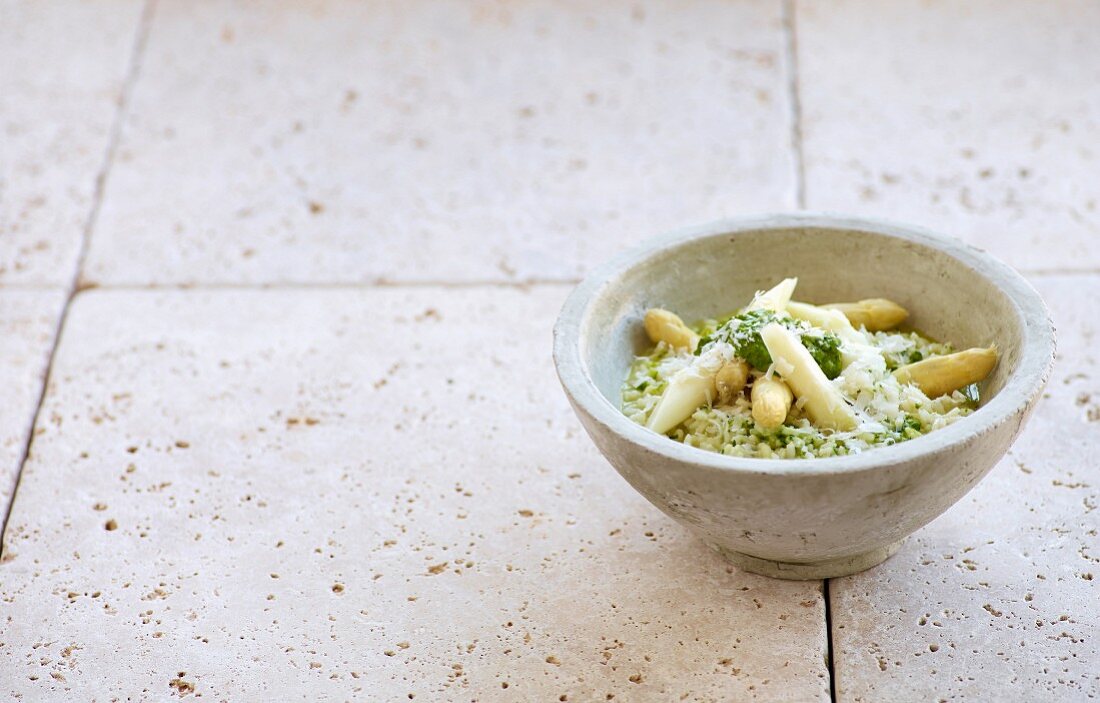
{"x":276,"y":288}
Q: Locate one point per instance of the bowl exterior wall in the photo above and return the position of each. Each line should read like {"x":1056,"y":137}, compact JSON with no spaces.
{"x":803,"y":517}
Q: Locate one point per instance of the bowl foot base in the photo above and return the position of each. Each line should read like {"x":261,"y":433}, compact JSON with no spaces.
{"x":807,"y":571}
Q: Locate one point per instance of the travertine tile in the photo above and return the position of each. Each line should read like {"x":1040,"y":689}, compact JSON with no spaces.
{"x":28,"y":324}
{"x":62,"y":66}
{"x":338,"y":141}
{"x":304,"y":495}
{"x":977,"y":118}
{"x":997,"y":599}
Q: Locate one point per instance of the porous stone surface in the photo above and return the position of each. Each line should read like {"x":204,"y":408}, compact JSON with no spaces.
{"x":348,"y":142}
{"x":62,"y":69}
{"x":369,"y":493}
{"x":28,"y":325}
{"x":997,"y":599}
{"x":317,"y":495}
{"x":975,"y":118}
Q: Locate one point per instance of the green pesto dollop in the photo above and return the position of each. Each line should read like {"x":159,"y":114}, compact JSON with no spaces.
{"x":742,"y":332}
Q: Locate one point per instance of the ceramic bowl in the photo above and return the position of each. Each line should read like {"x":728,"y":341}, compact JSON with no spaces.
{"x":806,"y":518}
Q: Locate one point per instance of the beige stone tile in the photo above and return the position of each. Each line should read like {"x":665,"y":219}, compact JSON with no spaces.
{"x":315,"y":494}
{"x":62,"y":66}
{"x":28,"y":326}
{"x":997,"y":599}
{"x":977,"y":119}
{"x":337,"y":141}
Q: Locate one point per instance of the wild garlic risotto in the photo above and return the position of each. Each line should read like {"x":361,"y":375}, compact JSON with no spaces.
{"x":785,"y":380}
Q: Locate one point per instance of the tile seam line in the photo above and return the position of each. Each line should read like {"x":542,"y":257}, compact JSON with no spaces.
{"x":133,"y":70}
{"x":137,"y":49}
{"x":790,"y":50}
{"x":829,"y":645}
{"x":388,"y":285}
{"x":428,"y":283}
{"x":370,"y":285}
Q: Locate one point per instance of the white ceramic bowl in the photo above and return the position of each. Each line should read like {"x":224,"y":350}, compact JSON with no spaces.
{"x":806,"y":518}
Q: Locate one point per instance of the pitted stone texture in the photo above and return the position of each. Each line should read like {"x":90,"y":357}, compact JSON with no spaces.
{"x":450,"y":141}
{"x":316,"y":494}
{"x":977,"y":118}
{"x":997,"y":599}
{"x":62,"y":68}
{"x":28,"y":325}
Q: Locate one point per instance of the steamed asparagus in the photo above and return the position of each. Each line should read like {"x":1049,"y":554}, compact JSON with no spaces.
{"x":823,"y":402}
{"x":771,"y":401}
{"x":874,"y":314}
{"x":730,"y":379}
{"x":664,"y":326}
{"x":776,"y":298}
{"x":688,"y":389}
{"x":832,"y":320}
{"x":941,"y":375}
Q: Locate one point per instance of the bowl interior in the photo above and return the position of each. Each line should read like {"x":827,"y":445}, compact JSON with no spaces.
{"x":948,"y":298}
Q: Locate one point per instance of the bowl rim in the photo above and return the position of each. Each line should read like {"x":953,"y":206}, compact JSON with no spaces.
{"x":1017,"y":395}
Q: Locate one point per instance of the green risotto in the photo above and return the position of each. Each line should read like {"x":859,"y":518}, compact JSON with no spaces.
{"x":788,"y":380}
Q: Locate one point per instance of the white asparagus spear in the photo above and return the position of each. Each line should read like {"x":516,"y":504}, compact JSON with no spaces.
{"x":831,"y":320}
{"x":776,"y":298}
{"x":731,"y":378}
{"x":875,"y":314}
{"x":824,"y":404}
{"x":942,"y":374}
{"x":771,"y":401}
{"x":664,"y":326}
{"x":854,"y":343}
{"x":687,"y":390}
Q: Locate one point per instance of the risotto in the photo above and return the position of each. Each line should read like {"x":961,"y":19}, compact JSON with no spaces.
{"x":785,"y":380}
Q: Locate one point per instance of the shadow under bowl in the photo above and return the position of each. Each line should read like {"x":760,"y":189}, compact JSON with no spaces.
{"x":806,"y":518}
